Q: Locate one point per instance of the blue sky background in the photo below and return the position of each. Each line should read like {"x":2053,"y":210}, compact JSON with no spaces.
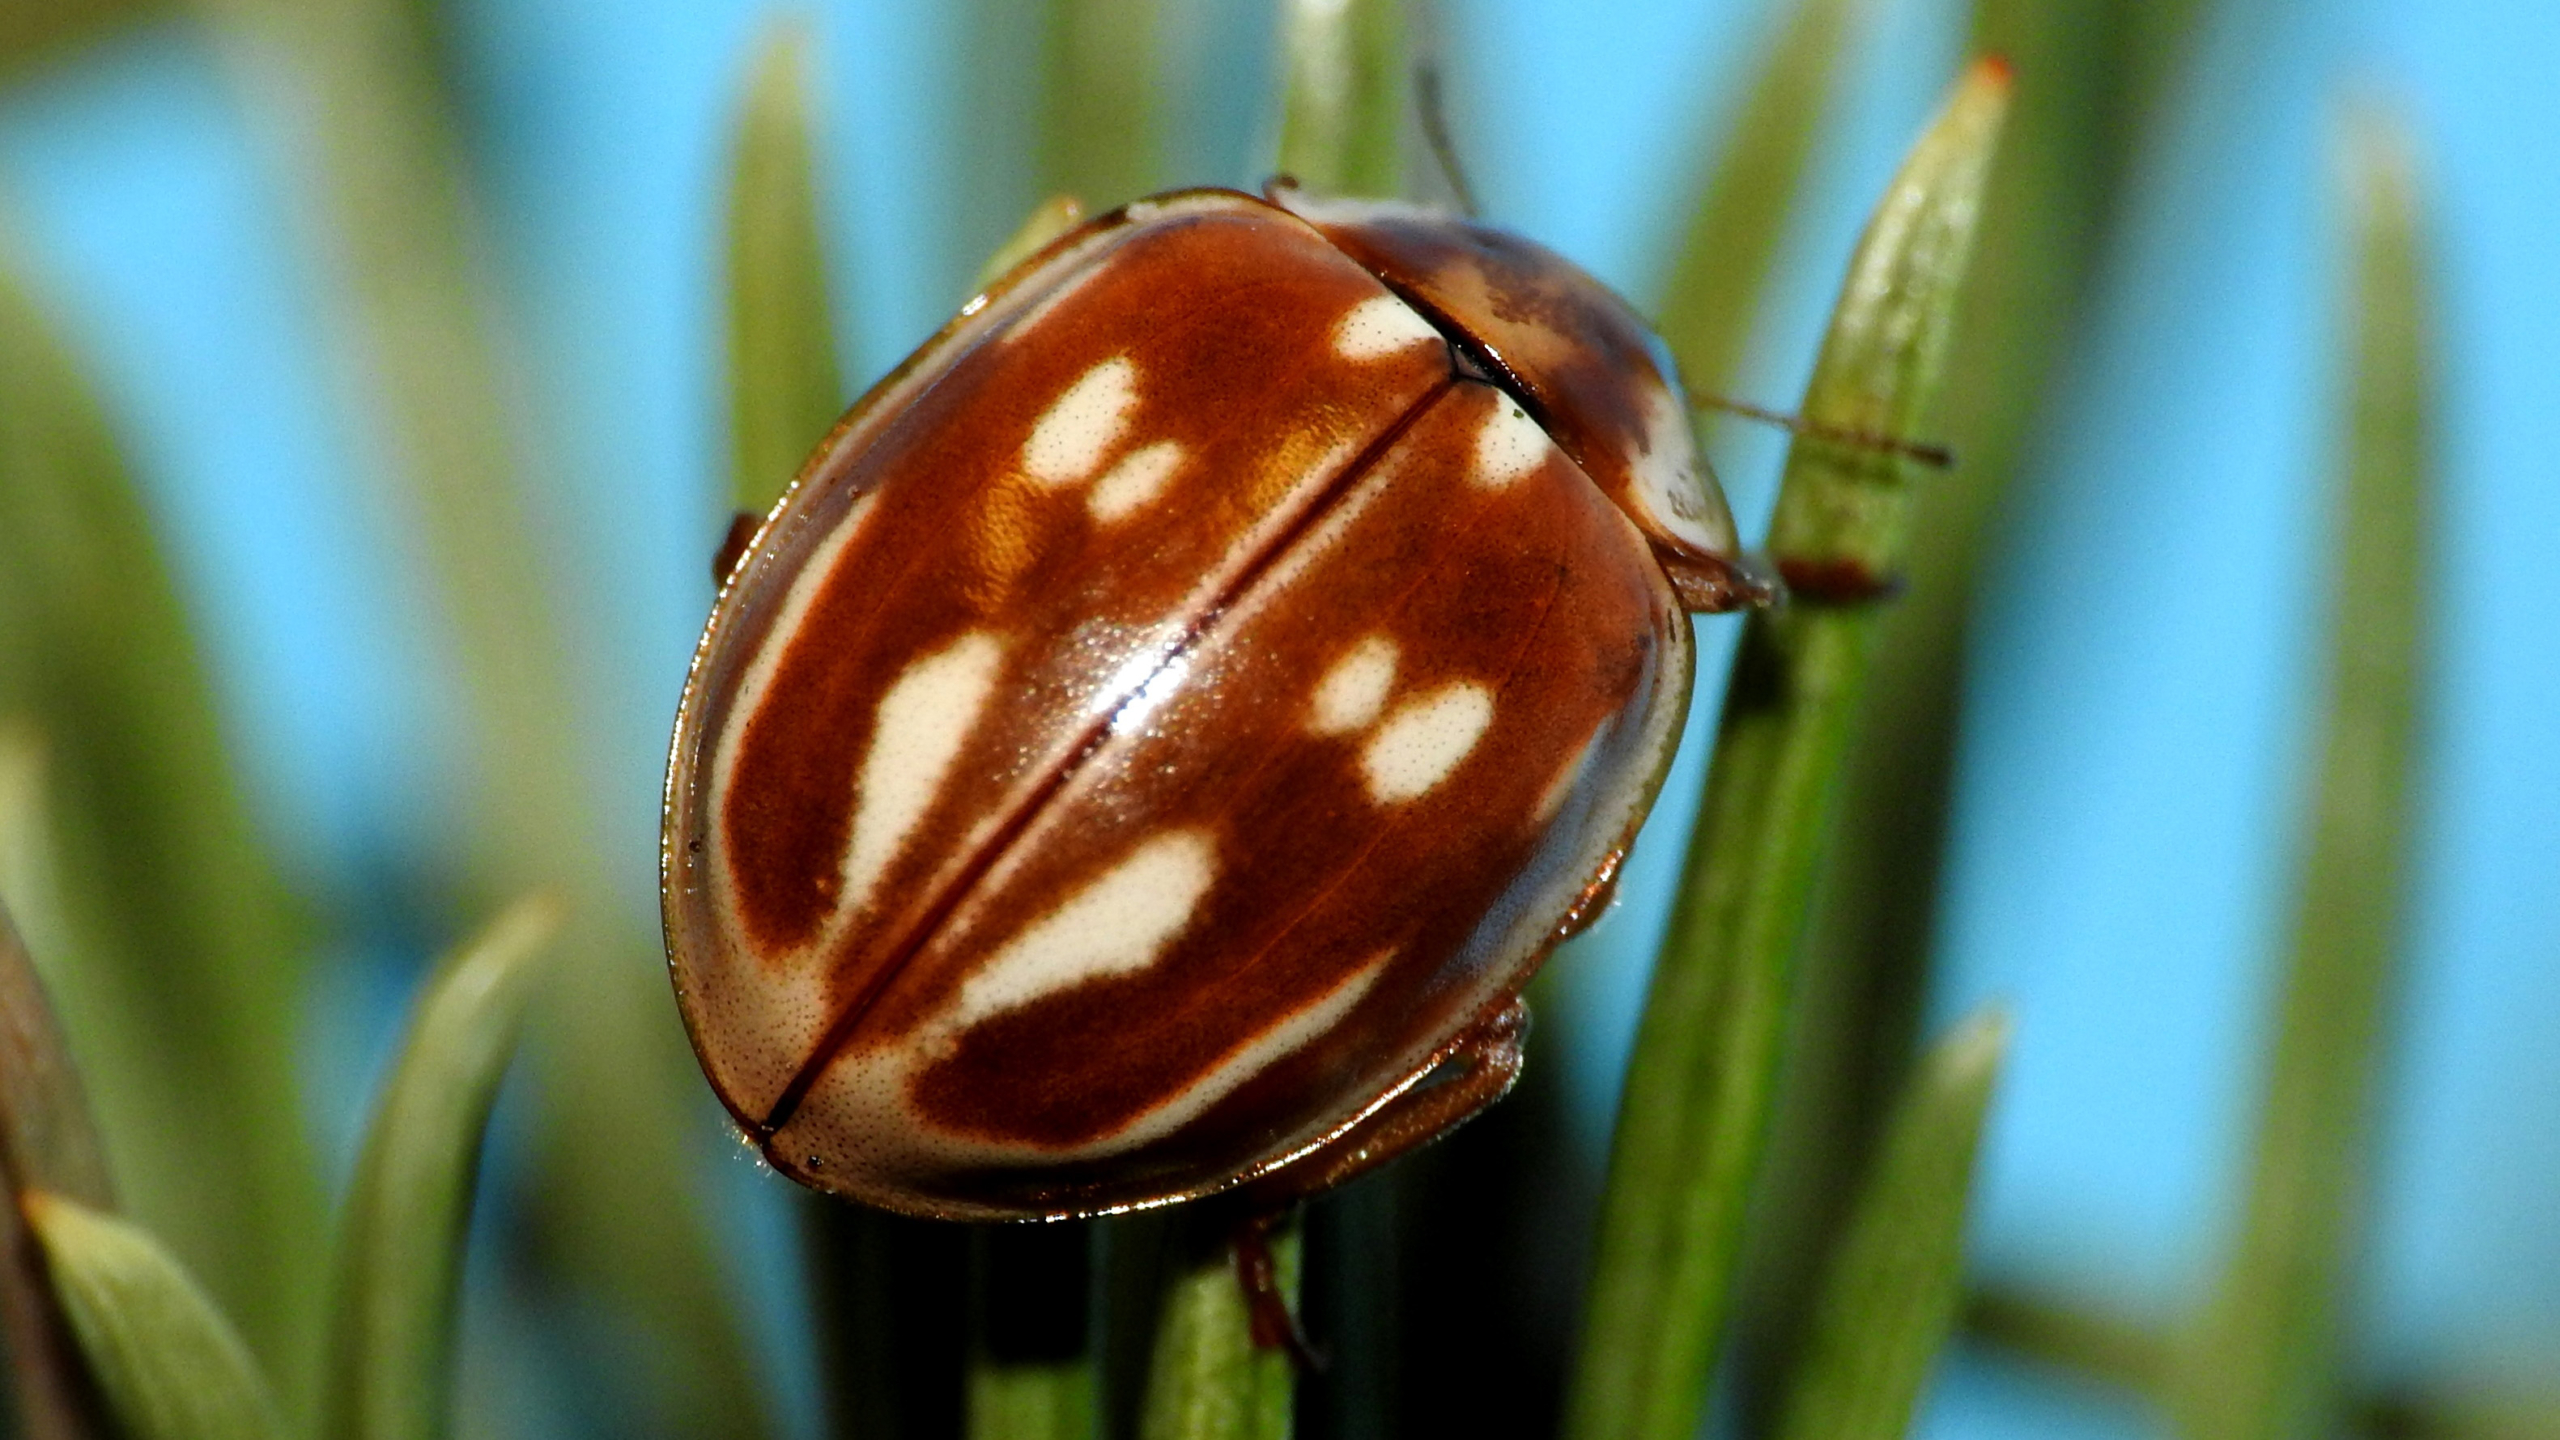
{"x":2136,"y":738}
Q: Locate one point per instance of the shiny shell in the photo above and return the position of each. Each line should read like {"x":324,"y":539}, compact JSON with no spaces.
{"x":1180,"y":705}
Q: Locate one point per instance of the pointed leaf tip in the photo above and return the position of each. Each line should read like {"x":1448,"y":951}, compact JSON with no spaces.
{"x":169,"y":1364}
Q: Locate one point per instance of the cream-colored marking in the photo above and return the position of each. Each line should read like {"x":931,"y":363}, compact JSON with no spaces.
{"x":1247,"y":1061}
{"x":1116,"y":924}
{"x":1667,"y":482}
{"x":1508,"y":446}
{"x":1137,"y":479}
{"x":1378,"y":327}
{"x":1355,"y":689}
{"x":1082,"y":425}
{"x":916,"y":734}
{"x":1424,"y":740}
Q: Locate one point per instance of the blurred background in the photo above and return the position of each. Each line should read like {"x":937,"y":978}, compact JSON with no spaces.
{"x":417,"y":364}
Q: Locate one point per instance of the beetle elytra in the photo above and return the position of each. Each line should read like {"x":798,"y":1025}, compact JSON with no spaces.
{"x":1175,"y":712}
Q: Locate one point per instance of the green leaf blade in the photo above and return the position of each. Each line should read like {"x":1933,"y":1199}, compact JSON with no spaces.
{"x":785,"y":387}
{"x":401,"y":1254}
{"x":176,"y":947}
{"x":1343,"y":96}
{"x":1892,"y":1287}
{"x":1701,"y":1080}
{"x":1730,"y":248}
{"x":2264,"y":1362}
{"x":171,"y":1367}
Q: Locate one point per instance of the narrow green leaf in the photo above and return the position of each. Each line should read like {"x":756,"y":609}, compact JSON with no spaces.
{"x":1890,"y":1293}
{"x":1695,"y":1112}
{"x":371,"y":143}
{"x":176,"y":950}
{"x":1343,"y":98}
{"x":401,"y":1248}
{"x":2264,"y":1363}
{"x":1053,"y":1401}
{"x":1208,"y":1380}
{"x":1047,"y":221}
{"x":1100,"y":133}
{"x":170,"y":1365}
{"x":1713,"y":294}
{"x":784,"y":386}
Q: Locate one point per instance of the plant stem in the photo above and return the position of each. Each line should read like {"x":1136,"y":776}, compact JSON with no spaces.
{"x":1698,"y":1089}
{"x":1208,"y":1380}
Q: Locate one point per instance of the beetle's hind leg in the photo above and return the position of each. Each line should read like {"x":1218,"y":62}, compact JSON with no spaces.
{"x":1479,"y":1070}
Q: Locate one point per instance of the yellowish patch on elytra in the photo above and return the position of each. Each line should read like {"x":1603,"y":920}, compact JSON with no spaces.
{"x":1138,"y":478}
{"x":1081,"y":426}
{"x":1354,"y":691}
{"x":1378,"y":327}
{"x":1509,"y":445}
{"x":1422,"y":743}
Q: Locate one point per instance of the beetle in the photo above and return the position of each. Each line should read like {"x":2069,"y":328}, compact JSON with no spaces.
{"x":1172,"y":715}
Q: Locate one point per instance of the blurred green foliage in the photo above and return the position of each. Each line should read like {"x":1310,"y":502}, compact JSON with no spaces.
{"x":178,"y":954}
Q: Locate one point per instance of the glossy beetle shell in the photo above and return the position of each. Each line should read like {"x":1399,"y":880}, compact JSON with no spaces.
{"x":1179,"y":705}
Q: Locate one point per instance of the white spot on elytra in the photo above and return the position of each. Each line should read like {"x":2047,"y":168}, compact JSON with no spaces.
{"x":1418,"y":746}
{"x":1137,"y":479}
{"x":1250,"y":1059}
{"x":1508,"y":446}
{"x":1082,"y":425}
{"x":915,"y":736}
{"x":1355,"y":689}
{"x":1378,"y":327}
{"x":1117,"y":924}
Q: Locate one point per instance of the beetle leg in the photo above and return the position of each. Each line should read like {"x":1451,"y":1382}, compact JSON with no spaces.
{"x":1479,"y":1071}
{"x":1274,"y":1325}
{"x":1710,"y":587}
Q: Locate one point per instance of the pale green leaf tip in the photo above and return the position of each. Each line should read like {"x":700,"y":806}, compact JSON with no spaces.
{"x":170,"y":1364}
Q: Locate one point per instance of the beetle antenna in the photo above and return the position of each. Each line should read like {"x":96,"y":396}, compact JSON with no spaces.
{"x":1936,"y":457}
{"x":1429,"y":100}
